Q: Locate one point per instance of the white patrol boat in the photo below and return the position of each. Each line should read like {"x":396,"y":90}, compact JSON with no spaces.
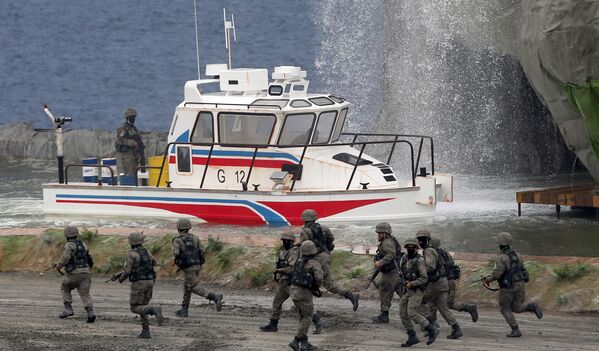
{"x":260,"y":152}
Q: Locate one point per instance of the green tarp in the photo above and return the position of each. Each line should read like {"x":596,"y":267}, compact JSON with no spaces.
{"x":586,"y":100}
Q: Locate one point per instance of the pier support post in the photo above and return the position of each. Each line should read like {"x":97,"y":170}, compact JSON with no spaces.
{"x":557,"y":210}
{"x":519,"y":209}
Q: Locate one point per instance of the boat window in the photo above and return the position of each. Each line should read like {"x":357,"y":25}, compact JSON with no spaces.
{"x":324,"y":127}
{"x":336,"y":99}
{"x":339,"y":126}
{"x":203,"y":131}
{"x":297,"y":129}
{"x":300,"y":103}
{"x":270,"y":102}
{"x":245,"y":128}
{"x":183,"y":158}
{"x":321,"y":101}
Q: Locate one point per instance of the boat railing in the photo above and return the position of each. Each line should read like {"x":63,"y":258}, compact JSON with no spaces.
{"x":361,"y":144}
{"x":66,"y":172}
{"x":248,"y":106}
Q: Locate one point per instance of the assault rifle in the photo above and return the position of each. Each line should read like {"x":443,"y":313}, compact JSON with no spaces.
{"x":53,"y":266}
{"x":372,"y":278}
{"x":114,"y":277}
{"x":486,"y":285}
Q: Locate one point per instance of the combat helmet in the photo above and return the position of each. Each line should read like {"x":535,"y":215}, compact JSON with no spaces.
{"x":136,"y":238}
{"x":411,"y":241}
{"x":504,"y":238}
{"x":436,"y":242}
{"x":308,"y":248}
{"x":423,"y":233}
{"x":288,"y":236}
{"x":383,"y":227}
{"x":309,"y":215}
{"x":130,"y":112}
{"x":71,"y":232}
{"x":183,"y":223}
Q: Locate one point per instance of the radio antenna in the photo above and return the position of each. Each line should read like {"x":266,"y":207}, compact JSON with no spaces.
{"x":195,"y":15}
{"x":229,"y":27}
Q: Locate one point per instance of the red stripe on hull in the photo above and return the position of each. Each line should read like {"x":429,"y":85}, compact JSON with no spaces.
{"x":237,"y":162}
{"x":292,"y":210}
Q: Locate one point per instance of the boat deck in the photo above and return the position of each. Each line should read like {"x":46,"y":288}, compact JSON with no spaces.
{"x":586,"y":195}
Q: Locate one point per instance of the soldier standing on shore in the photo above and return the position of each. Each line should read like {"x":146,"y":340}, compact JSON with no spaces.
{"x":129,"y":146}
{"x":305,"y":282}
{"x":414,"y":271}
{"x":386,"y":261}
{"x":139,"y":268}
{"x":189,"y":257}
{"x":509,"y":271}
{"x":322,"y":237}
{"x":77,"y":263}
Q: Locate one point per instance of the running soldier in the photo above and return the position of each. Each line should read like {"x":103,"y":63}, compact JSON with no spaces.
{"x":386,"y":261}
{"x":305,"y":282}
{"x":414,"y":272}
{"x":188,"y":253}
{"x":511,"y":274}
{"x":437,"y":291}
{"x":139,"y":268}
{"x":77,"y":263}
{"x":323,"y":239}
{"x":129,"y":146}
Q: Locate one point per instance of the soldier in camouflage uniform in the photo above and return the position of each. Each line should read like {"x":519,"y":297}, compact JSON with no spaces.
{"x":452,"y":271}
{"x":77,"y":263}
{"x":139,"y":268}
{"x":323,"y":239}
{"x":437,"y":291}
{"x":509,"y":271}
{"x":305,"y":282}
{"x":188,"y":253}
{"x":387,"y":256}
{"x":129,"y":146}
{"x":414,"y":272}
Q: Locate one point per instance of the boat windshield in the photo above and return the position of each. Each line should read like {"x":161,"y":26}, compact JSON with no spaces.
{"x":324,"y":128}
{"x":297,"y":129}
{"x":245,"y":128}
{"x":202,"y":133}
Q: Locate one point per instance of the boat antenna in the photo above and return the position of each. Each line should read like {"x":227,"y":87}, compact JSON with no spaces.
{"x":195,"y":15}
{"x":229,"y":27}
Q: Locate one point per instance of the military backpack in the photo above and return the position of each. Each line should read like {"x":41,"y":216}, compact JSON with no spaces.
{"x":191,"y":255}
{"x":145,"y":269}
{"x":515,"y":273}
{"x":80,"y":259}
{"x":451,"y":268}
{"x":321,"y":242}
{"x":396,"y":260}
{"x":439,"y":271}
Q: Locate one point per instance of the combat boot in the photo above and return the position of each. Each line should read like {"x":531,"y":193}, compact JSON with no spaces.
{"x":434,"y":323}
{"x":536,"y":309}
{"x":157,"y":311}
{"x":295,"y":344}
{"x":412,"y":339}
{"x":354,"y":298}
{"x":317,"y":323}
{"x":272,"y":326}
{"x":68,"y":311}
{"x":473,"y":311}
{"x":91,"y":317}
{"x":381,"y":318}
{"x":456,"y":332}
{"x":218,"y":301}
{"x":306,"y":346}
{"x":515,"y":333}
{"x":183,"y":312}
{"x":432,"y":333}
{"x":145,"y":332}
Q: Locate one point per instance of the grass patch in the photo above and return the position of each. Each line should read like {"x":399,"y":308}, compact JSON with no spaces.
{"x":161,"y":245}
{"x":88,"y":235}
{"x":214,"y":245}
{"x":562,"y":300}
{"x":52,"y":236}
{"x":567,"y":272}
{"x":259,"y":276}
{"x":113,"y":264}
{"x":356,"y":273}
{"x":226,"y":257}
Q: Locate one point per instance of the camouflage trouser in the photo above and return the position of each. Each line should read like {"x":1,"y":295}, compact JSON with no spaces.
{"x":192,"y":274}
{"x":141,"y":294}
{"x":126,"y":163}
{"x":306,"y":310}
{"x":436,"y":299}
{"x":408,"y":309}
{"x":80,"y":281}
{"x":451,"y":302}
{"x":324,"y":258}
{"x":511,"y":301}
{"x":281,"y":296}
{"x":388,"y":285}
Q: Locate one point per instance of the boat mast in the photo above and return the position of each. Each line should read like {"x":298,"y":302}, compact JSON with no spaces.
{"x":229,"y":27}
{"x":195,"y":15}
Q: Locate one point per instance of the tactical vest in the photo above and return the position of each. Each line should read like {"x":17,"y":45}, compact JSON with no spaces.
{"x":318,"y":237}
{"x":439,"y":271}
{"x":128,"y":135}
{"x":144,"y":270}
{"x":79,"y":258}
{"x":515,"y":272}
{"x":300,"y":277}
{"x":411,"y":274}
{"x":451,"y":268}
{"x":282,"y":260}
{"x":396,"y":260}
{"x":191,"y":255}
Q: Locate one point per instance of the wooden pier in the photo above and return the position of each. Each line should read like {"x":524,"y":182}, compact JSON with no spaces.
{"x":576,"y":196}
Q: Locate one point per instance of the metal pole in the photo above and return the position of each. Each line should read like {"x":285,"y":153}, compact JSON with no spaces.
{"x":247,"y":181}
{"x":60,"y":155}
{"x":355,"y":167}
{"x":519,"y":209}
{"x":392,"y":149}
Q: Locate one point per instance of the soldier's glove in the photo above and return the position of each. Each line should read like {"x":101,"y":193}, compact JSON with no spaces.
{"x":487,"y":280}
{"x":377,"y":264}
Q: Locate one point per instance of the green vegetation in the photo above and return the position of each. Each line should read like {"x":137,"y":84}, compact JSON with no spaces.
{"x":260,"y":275}
{"x":355,"y":273}
{"x":51,"y":237}
{"x":566,"y":272}
{"x":214,"y":245}
{"x":161,"y":245}
{"x":227,"y":256}
{"x":113,"y":264}
{"x":88,"y":235}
